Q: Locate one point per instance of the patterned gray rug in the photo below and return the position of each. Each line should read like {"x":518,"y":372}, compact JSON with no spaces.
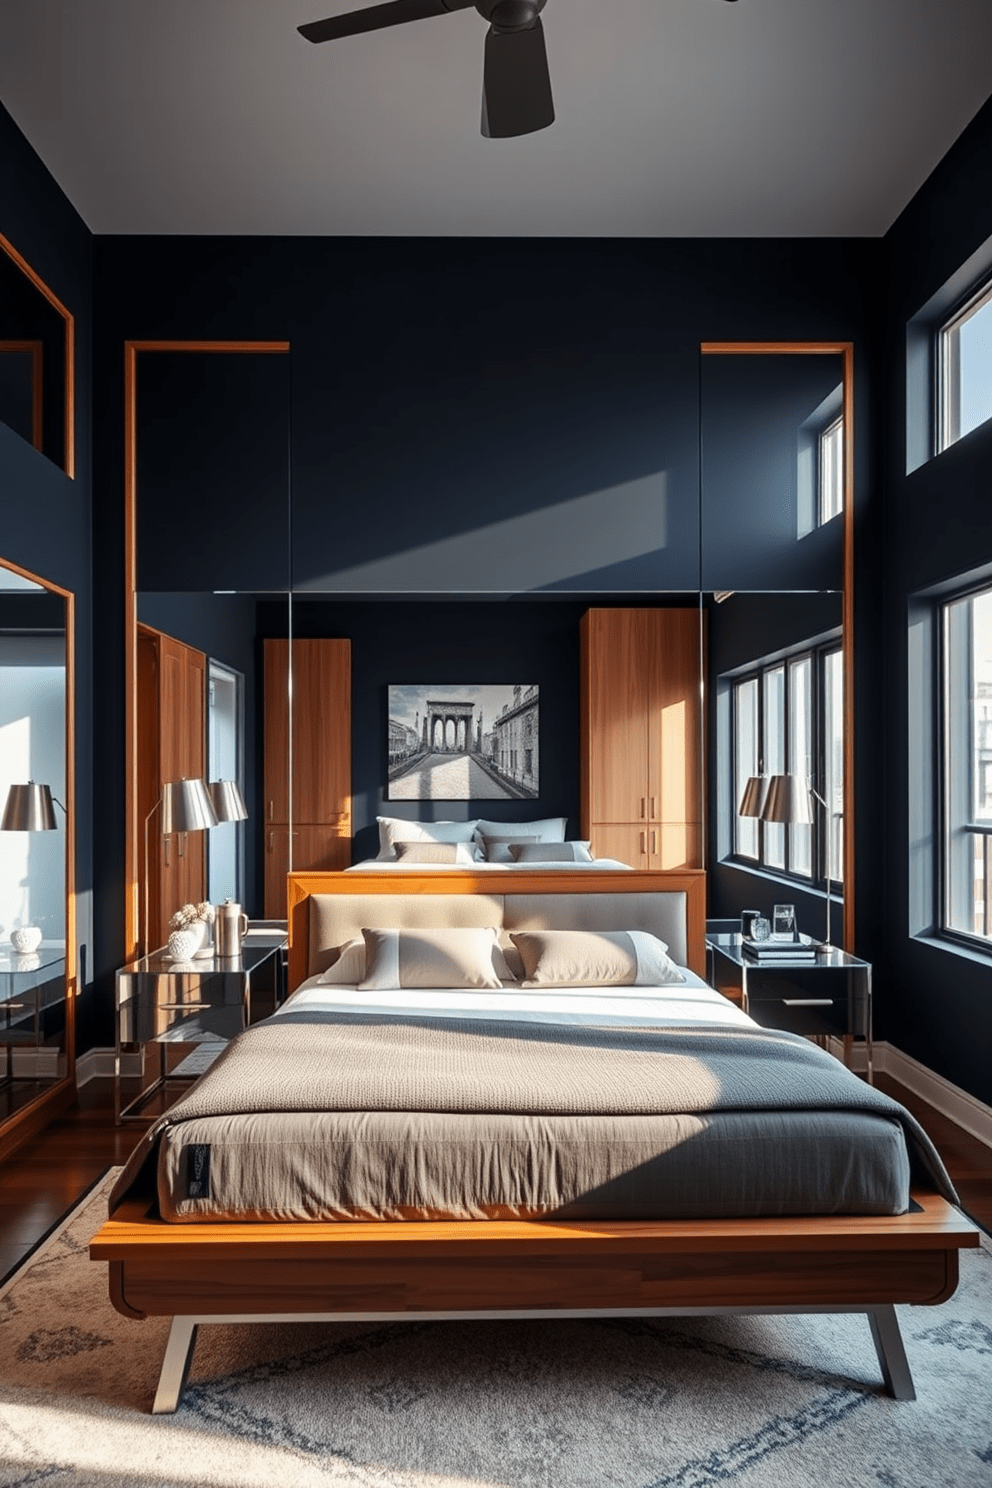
{"x":684,"y":1403}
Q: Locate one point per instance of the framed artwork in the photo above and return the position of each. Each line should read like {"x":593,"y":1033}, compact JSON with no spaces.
{"x":472,"y":743}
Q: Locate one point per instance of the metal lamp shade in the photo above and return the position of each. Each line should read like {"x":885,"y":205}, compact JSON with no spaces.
{"x":787,"y":801}
{"x":229,"y":803}
{"x":187,"y":807}
{"x":753,"y":799}
{"x":29,"y":808}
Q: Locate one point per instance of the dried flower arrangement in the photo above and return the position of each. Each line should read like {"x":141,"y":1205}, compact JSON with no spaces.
{"x":190,"y":913}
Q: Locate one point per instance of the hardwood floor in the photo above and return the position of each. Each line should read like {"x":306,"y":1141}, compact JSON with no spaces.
{"x":46,"y":1177}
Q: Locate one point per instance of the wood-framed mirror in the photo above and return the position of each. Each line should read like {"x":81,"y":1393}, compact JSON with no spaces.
{"x":206,"y":560}
{"x":37,"y":852}
{"x":37,"y":361}
{"x":777,"y":549}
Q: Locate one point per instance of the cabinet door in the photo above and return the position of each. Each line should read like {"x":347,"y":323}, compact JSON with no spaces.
{"x":276,"y":732}
{"x":321,"y":724}
{"x":628,"y":842}
{"x":323,"y":848}
{"x":675,"y":740}
{"x":276,"y":868}
{"x":617,"y":650}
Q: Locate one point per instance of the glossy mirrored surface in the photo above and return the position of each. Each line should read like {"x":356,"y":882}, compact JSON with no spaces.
{"x":35,"y":360}
{"x":35,"y":924}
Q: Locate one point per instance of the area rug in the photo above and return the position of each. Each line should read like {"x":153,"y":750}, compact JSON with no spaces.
{"x":618,"y":1403}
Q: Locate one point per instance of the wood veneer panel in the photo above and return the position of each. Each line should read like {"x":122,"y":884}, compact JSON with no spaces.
{"x":616,"y":704}
{"x":276,"y":732}
{"x":321,"y":733}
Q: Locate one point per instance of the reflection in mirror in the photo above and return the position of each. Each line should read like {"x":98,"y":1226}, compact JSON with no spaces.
{"x":36,"y":348}
{"x":35,"y":888}
{"x":777,"y":756}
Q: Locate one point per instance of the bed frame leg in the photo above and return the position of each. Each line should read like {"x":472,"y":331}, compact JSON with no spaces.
{"x":175,"y":1365}
{"x":891,"y":1354}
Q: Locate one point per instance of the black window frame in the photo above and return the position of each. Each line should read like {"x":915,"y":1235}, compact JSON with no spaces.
{"x":817,"y":653}
{"x":965,"y":306}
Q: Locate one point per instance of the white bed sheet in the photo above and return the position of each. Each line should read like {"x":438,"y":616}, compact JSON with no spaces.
{"x":693,"y":1004}
{"x":394,"y":865}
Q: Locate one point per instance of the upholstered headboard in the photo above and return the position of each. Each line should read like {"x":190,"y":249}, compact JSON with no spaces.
{"x":327,"y":909}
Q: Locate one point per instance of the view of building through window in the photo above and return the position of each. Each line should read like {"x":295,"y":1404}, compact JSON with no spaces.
{"x":968,"y":764}
{"x":966,"y":369}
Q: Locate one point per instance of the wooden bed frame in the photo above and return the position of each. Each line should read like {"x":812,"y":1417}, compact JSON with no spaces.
{"x":241,"y":1272}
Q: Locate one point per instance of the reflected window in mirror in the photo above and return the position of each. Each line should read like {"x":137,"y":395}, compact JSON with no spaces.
{"x":820,"y":464}
{"x":786,"y":717}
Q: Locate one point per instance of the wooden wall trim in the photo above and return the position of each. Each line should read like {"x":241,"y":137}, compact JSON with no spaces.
{"x":845,"y":350}
{"x":69,"y":460}
{"x":133,"y":828}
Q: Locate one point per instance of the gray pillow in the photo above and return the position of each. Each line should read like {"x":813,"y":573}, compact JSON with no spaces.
{"x":550,"y":852}
{"x":497,"y":849}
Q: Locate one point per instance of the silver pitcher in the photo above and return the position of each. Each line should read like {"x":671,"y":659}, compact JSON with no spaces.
{"x":230,"y":924}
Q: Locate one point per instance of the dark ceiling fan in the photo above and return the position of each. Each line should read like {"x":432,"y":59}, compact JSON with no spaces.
{"x":516,"y":84}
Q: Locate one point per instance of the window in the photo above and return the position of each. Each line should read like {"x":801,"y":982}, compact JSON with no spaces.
{"x":787,"y":717}
{"x":830,"y":485}
{"x":964,"y":362}
{"x":966,"y":764}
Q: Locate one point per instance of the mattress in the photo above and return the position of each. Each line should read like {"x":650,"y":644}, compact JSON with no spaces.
{"x":671,"y":1105}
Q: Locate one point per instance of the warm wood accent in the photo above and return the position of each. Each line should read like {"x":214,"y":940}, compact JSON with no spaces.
{"x":691,"y":882}
{"x":25,"y":1122}
{"x":505,"y":1265}
{"x":845,"y":350}
{"x":36,"y":350}
{"x":69,"y":460}
{"x":641,"y":756}
{"x":307,"y":766}
{"x":172,"y":690}
{"x":134,"y":827}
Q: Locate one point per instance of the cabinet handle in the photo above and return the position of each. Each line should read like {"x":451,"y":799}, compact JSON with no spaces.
{"x":272,"y":841}
{"x":654,"y":809}
{"x":182,"y":843}
{"x":643,"y":808}
{"x":272,"y":807}
{"x":654,"y":840}
{"x":808,"y":1001}
{"x":166,"y":840}
{"x":644,"y":842}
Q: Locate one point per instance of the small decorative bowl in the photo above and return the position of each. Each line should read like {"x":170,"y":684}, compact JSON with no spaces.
{"x":26,"y":939}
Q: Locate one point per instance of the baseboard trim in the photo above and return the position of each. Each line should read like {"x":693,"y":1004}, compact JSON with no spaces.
{"x":99,"y":1063}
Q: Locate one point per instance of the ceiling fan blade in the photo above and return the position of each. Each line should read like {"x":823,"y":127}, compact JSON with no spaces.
{"x":516,"y":84}
{"x":377,"y":17}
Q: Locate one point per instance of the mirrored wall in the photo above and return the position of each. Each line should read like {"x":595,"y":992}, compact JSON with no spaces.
{"x":37,"y":935}
{"x":36,"y":361}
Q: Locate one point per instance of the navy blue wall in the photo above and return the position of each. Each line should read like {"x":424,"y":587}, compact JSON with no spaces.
{"x":936,"y":1001}
{"x":47,"y":516}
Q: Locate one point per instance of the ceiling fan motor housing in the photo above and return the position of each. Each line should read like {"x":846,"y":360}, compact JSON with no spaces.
{"x":507,"y":16}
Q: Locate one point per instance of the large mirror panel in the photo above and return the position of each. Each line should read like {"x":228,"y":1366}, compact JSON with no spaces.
{"x":776,"y":559}
{"x":37,"y":952}
{"x":36,"y":360}
{"x":208,"y":582}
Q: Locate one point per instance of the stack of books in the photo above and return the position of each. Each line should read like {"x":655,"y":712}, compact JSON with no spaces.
{"x":768,"y":952}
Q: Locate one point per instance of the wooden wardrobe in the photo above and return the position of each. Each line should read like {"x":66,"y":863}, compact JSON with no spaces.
{"x":641,"y":766}
{"x":172,"y":745}
{"x":319,"y":813}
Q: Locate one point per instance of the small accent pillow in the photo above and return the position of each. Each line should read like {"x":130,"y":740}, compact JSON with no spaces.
{"x":550,"y":852}
{"x":551,"y":829}
{"x":432,"y":958}
{"x":349,"y":968}
{"x":393,"y":829}
{"x":497,"y":849}
{"x":435,"y":852}
{"x":594,"y":958}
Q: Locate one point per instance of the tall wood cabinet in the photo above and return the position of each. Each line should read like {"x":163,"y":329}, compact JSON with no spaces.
{"x":319,"y":813}
{"x":641,"y":743}
{"x":172,"y":693}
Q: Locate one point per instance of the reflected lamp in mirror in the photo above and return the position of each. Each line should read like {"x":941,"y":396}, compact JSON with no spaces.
{"x":790,"y":801}
{"x":753,"y":799}
{"x":228,"y":802}
{"x":186,"y":807}
{"x":29,"y":808}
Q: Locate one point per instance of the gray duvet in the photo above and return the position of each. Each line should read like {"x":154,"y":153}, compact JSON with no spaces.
{"x":348,"y":1116}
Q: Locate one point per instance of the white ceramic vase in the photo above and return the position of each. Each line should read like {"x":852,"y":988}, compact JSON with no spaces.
{"x":26,"y":939}
{"x":182,"y":944}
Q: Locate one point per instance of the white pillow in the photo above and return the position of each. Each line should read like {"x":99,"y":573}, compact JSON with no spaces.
{"x":431,"y":958}
{"x":551,"y":829}
{"x":349,"y":968}
{"x":594,"y":958}
{"x":393,"y":829}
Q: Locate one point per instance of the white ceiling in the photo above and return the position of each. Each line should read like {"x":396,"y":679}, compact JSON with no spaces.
{"x":676,"y":118}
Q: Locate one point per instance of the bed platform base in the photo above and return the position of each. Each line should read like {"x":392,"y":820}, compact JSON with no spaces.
{"x":379,"y":1271}
{"x":182,"y":1335}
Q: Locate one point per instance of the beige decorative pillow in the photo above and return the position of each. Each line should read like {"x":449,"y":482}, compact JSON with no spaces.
{"x":435,"y":852}
{"x":393,"y":829}
{"x":432,"y":958}
{"x":550,"y":852}
{"x":349,"y":968}
{"x":594,"y":958}
{"x":497,"y":849}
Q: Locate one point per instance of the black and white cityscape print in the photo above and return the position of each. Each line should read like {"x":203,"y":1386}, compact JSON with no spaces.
{"x":474,"y":743}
